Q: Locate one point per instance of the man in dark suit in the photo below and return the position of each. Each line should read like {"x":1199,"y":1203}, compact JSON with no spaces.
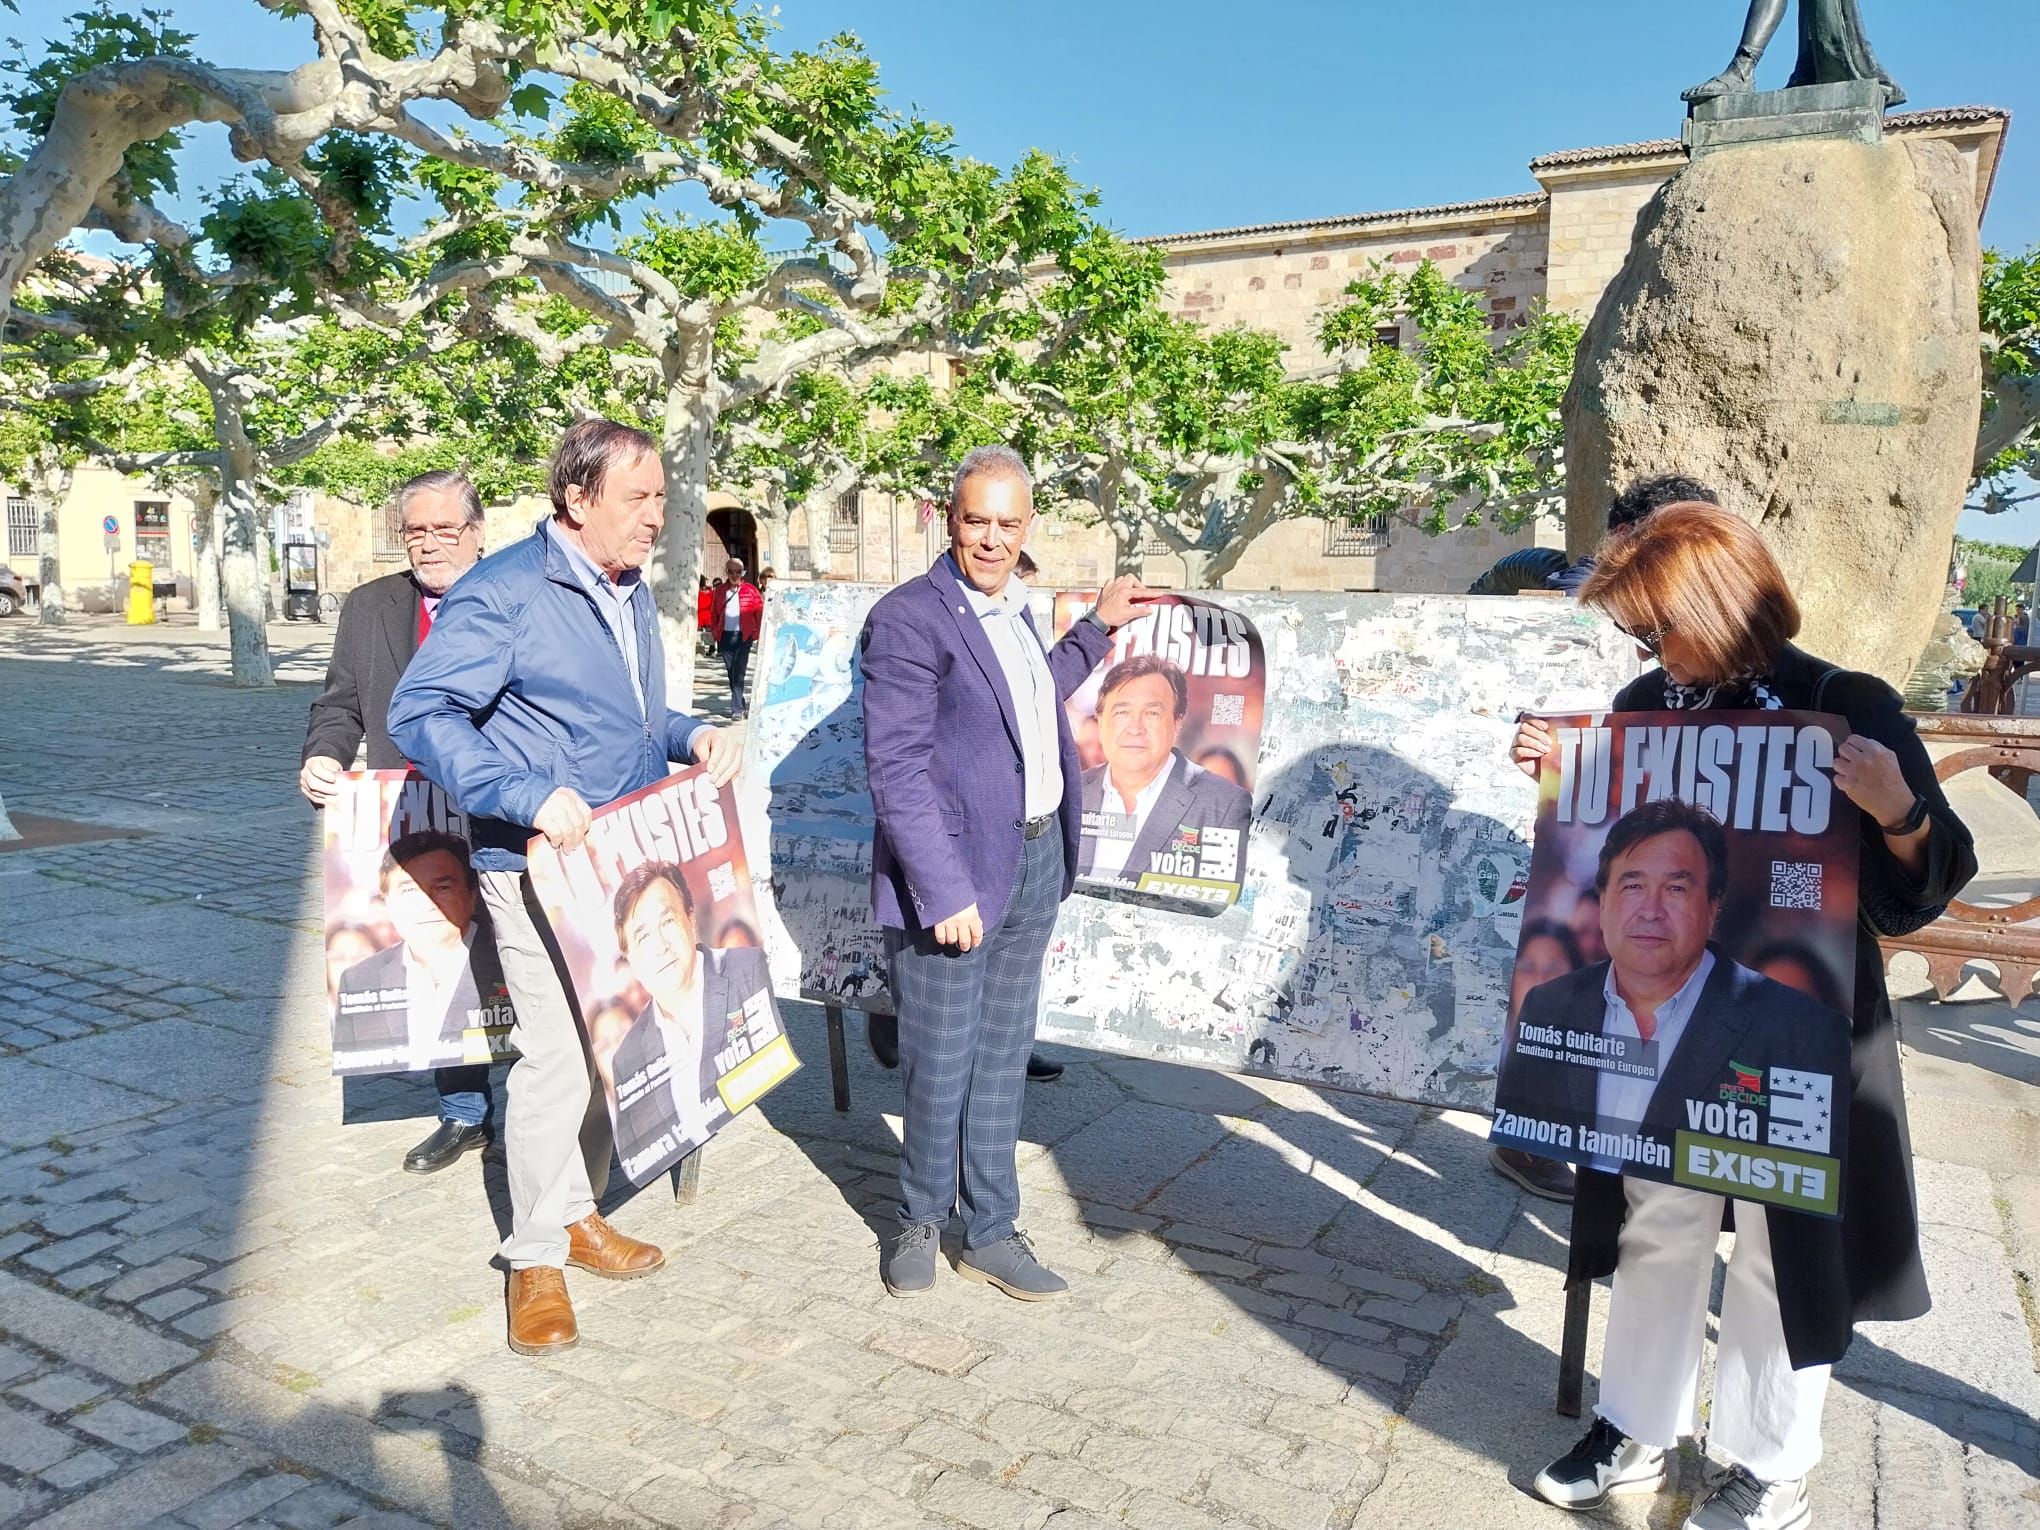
{"x":973,"y":778}
{"x":439,"y":516}
{"x":667,"y":1065}
{"x":1146,"y":800}
{"x":423,"y":993}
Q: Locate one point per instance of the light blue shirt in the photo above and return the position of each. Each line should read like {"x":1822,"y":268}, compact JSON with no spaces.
{"x":1621,"y":1097}
{"x":612,"y":600}
{"x":1017,"y":646}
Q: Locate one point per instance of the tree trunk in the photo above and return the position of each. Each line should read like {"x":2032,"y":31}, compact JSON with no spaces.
{"x":684,"y":442}
{"x":207,"y":522}
{"x":247,"y":585}
{"x":1200,"y":569}
{"x":777,"y":519}
{"x":50,"y":610}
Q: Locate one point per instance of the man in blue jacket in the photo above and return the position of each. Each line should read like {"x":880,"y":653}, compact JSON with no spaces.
{"x":541,"y":690}
{"x":976,"y":783}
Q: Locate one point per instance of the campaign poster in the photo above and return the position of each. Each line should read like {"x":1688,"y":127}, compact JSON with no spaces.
{"x":411,"y":975}
{"x":1679,"y":1009}
{"x":655,"y":916}
{"x":1168,"y":729}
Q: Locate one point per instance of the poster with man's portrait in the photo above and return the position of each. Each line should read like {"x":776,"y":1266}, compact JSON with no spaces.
{"x":655,"y":917}
{"x":1679,"y":1009}
{"x":1168,"y":729}
{"x":411,"y":975}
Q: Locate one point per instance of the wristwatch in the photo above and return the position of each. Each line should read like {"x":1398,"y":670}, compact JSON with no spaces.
{"x":1091,"y":616}
{"x":1910,"y":823}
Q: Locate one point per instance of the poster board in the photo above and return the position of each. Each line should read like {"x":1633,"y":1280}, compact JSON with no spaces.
{"x":1686,"y":964}
{"x":1372,"y":942}
{"x":655,"y":917}
{"x":412,"y":981}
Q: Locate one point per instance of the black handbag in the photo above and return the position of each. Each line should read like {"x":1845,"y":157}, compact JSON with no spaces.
{"x":1880,"y":908}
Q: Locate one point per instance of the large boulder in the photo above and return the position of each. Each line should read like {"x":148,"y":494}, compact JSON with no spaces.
{"x":1796,"y":326}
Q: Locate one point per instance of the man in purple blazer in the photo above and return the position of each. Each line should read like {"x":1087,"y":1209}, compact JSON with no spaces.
{"x":977,"y":787}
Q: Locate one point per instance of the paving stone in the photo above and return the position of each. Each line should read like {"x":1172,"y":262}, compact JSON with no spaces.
{"x":61,"y":1391}
{"x":137,"y":1284}
{"x":27,"y":1444}
{"x":61,"y":1255}
{"x":319,"y":1507}
{"x":131,"y":1428}
{"x":167,"y":1305}
{"x":157,"y":1487}
{"x":65,"y":1221}
{"x":944,"y":1354}
{"x":241,"y":1501}
{"x":15,"y":1363}
{"x":86,"y":1276}
{"x":96,"y":1340}
{"x":73,"y":1473}
{"x":1429,"y":1314}
{"x":18,"y":1501}
{"x":985,"y":1505}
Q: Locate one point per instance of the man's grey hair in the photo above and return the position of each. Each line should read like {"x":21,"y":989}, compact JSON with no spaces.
{"x":990,"y":462}
{"x":441,"y":481}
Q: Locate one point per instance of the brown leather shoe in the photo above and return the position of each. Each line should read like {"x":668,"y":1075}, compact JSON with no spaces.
{"x":541,"y":1315}
{"x":593,"y":1245}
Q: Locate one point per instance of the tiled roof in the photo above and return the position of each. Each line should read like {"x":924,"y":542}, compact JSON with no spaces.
{"x":1517,"y":203}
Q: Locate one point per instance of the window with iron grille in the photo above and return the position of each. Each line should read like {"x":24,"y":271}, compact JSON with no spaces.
{"x":1355,"y":539}
{"x":389,"y":537}
{"x":798,"y":558}
{"x":24,"y":528}
{"x":1388,"y":337}
{"x":1153,"y":545}
{"x":846,"y":523}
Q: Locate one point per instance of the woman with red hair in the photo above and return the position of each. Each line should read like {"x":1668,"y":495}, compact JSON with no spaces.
{"x":1698,"y":590}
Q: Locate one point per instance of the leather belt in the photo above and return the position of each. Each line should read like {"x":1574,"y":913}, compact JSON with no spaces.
{"x":1034,"y":828}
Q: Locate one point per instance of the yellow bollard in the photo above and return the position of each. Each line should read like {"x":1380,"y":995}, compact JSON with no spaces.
{"x":141,"y":593}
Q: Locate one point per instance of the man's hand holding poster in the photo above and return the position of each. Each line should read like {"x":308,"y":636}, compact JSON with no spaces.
{"x":411,"y":975}
{"x":655,"y":916}
{"x":1679,"y":1010}
{"x":1169,"y":732}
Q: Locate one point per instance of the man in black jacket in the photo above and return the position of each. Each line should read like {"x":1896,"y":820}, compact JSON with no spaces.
{"x":381,"y":625}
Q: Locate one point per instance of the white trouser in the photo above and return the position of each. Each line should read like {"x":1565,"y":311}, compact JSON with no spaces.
{"x":1766,"y":1415}
{"x":556,"y":1135}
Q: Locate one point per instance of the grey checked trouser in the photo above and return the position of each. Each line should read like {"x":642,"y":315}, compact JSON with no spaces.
{"x":556,"y":1134}
{"x":966,"y":1024}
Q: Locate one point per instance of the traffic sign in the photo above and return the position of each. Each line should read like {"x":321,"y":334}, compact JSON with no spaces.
{"x":111,"y":525}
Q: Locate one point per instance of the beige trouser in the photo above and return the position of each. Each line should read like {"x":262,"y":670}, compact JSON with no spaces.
{"x":556,"y":1132}
{"x":1766,"y":1415}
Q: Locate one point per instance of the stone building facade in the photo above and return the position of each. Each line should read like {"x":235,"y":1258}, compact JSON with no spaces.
{"x":1560,"y":244}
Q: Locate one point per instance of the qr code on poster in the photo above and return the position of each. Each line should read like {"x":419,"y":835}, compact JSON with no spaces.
{"x":1228,"y":711}
{"x":1795,"y":884}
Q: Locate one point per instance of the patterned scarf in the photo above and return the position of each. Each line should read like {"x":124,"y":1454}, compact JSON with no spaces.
{"x":1744,"y":693}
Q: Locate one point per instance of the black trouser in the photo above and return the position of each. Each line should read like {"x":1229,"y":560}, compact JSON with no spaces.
{"x":736,"y":658}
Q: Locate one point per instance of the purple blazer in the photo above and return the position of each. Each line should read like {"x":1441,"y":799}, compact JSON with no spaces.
{"x":942,"y":750}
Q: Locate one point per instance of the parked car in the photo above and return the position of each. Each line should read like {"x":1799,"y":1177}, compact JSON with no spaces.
{"x":13,"y":592}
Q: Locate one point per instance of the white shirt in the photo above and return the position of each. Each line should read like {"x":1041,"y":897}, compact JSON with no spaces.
{"x":683,"y":1077}
{"x":1017,"y":646}
{"x":1110,"y":845}
{"x":429,"y":995}
{"x":1623,"y":1098}
{"x":733,"y":607}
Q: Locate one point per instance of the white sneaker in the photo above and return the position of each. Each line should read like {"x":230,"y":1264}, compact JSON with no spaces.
{"x":1605,"y":1463}
{"x":1743,"y":1503}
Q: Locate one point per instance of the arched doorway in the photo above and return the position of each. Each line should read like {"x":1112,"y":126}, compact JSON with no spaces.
{"x":732,"y":532}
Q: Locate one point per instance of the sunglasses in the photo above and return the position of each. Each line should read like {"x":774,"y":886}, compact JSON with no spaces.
{"x":1651,"y":642}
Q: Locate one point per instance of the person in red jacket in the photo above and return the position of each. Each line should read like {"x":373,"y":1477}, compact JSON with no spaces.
{"x":737,"y":611}
{"x":704,"y":615}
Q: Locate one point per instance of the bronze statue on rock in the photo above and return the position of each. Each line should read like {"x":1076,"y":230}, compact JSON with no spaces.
{"x":1832,"y":49}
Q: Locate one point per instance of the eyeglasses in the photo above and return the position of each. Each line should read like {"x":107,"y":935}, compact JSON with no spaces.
{"x":1651,"y":642}
{"x":445,"y":536}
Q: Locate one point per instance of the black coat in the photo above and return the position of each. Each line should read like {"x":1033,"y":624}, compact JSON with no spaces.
{"x":1865,"y":1265}
{"x":377,"y":637}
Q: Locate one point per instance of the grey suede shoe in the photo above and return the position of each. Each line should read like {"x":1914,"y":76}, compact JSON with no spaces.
{"x":910,"y":1264}
{"x":1010,"y":1265}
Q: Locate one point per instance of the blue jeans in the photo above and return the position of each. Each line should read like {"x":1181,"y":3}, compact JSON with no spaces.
{"x":463,"y":1093}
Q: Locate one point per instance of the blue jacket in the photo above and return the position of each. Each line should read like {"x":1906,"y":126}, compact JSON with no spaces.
{"x":942,"y":751}
{"x":520,"y":689}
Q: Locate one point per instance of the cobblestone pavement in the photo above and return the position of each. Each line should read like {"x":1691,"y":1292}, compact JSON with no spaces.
{"x":223,"y":1305}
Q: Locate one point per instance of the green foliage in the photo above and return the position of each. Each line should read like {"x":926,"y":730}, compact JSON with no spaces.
{"x":2008,"y":313}
{"x":716,"y":258}
{"x":101,"y":35}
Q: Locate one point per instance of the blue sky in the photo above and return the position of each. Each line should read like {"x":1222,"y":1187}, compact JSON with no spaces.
{"x":1199,"y":115}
